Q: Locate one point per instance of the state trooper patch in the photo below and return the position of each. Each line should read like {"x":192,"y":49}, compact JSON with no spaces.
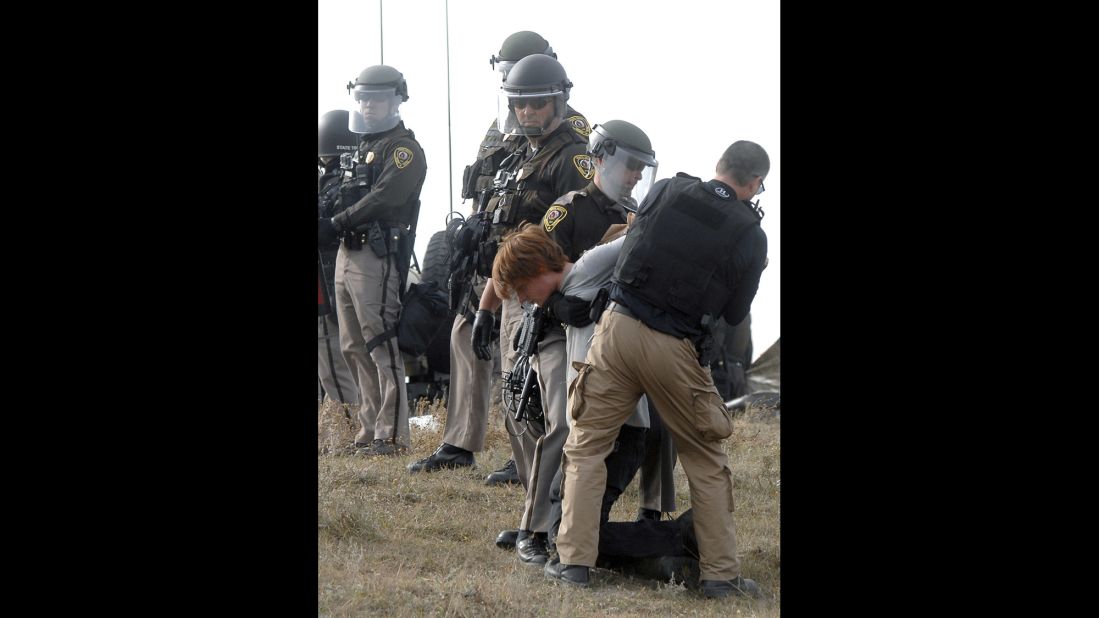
{"x":722,"y":192}
{"x":579,"y":125}
{"x":556,"y":214}
{"x":584,"y":165}
{"x":402,"y":157}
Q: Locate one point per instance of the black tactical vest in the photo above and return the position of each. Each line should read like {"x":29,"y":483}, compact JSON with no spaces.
{"x":528,"y":191}
{"x":494,"y":149}
{"x":676,"y":253}
{"x":357,"y":182}
{"x":478,"y":176}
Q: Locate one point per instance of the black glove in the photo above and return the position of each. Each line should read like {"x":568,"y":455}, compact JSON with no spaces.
{"x":326,"y":232}
{"x":569,"y":310}
{"x":482,"y":334}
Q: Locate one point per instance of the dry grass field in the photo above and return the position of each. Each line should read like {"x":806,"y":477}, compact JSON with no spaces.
{"x":395,"y":544}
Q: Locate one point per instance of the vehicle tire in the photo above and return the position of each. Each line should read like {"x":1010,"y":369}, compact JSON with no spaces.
{"x":436,"y":265}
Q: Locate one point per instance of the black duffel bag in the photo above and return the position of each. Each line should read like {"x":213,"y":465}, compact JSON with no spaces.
{"x":424,"y":314}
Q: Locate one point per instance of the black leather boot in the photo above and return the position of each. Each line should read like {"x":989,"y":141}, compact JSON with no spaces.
{"x":446,"y":456}
{"x":531,"y":547}
{"x":571,"y":574}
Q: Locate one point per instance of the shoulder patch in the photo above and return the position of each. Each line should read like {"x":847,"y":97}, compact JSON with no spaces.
{"x":584,"y":165}
{"x":579,"y":124}
{"x":402,"y":157}
{"x":556,"y":214}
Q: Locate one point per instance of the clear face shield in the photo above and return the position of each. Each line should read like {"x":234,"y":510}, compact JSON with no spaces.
{"x":376,"y":109}
{"x":624,"y":173}
{"x":529,"y":113}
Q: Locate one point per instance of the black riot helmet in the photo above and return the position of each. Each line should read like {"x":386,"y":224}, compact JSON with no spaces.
{"x":624,"y":159}
{"x":378,"y":93}
{"x":517,"y":46}
{"x":536,"y":81}
{"x":333,"y":136}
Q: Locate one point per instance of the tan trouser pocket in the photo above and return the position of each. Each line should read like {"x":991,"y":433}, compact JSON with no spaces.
{"x":714,"y":421}
{"x":576,"y":389}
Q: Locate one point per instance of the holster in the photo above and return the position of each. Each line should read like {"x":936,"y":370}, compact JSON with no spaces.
{"x":704,"y":343}
{"x":599,"y":304}
{"x":378,"y":239}
{"x":353,"y":240}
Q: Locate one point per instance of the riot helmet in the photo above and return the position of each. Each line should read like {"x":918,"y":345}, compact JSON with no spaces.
{"x":333,"y":136}
{"x":533,"y":83}
{"x":518,"y":46}
{"x":625,"y":161}
{"x":378,"y":93}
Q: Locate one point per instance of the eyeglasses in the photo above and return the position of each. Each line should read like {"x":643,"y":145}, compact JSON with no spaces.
{"x":535,"y":104}
{"x":761,"y":187}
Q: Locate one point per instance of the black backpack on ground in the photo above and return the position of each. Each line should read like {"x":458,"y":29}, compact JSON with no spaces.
{"x":424,"y":316}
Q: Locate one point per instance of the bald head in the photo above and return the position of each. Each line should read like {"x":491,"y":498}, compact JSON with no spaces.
{"x":743,"y":161}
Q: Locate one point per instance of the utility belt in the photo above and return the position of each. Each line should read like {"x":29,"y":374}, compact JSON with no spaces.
{"x":704,"y":344}
{"x":383,"y":237}
{"x":620,"y":308}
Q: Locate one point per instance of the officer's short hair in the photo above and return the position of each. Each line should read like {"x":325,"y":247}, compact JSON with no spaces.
{"x":523,"y":255}
{"x":744,"y":160}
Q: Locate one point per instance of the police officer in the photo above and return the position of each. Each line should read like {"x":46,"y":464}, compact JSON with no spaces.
{"x":496,"y":145}
{"x":625,"y":167}
{"x":471,"y":378}
{"x":333,"y":140}
{"x":625,"y":164}
{"x":552,"y":161}
{"x":378,"y":204}
{"x":625,"y":170}
{"x":695,"y":252}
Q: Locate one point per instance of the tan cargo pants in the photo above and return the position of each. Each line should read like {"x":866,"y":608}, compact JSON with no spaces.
{"x":367,"y":304}
{"x":627,"y":359}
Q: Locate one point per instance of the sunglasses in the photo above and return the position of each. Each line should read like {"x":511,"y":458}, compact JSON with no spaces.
{"x":535,"y":104}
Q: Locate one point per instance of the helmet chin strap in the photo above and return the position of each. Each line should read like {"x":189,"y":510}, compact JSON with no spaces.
{"x":551,"y":124}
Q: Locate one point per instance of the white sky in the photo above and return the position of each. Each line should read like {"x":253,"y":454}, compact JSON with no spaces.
{"x":695,"y":75}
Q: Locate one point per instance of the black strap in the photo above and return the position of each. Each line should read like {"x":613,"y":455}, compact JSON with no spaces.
{"x":379,"y":339}
{"x":331,"y":361}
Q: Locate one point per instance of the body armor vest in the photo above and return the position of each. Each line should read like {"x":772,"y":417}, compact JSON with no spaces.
{"x":478,"y":176}
{"x":675,"y":255}
{"x":494,"y":149}
{"x":523,"y":192}
{"x":358,"y":180}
